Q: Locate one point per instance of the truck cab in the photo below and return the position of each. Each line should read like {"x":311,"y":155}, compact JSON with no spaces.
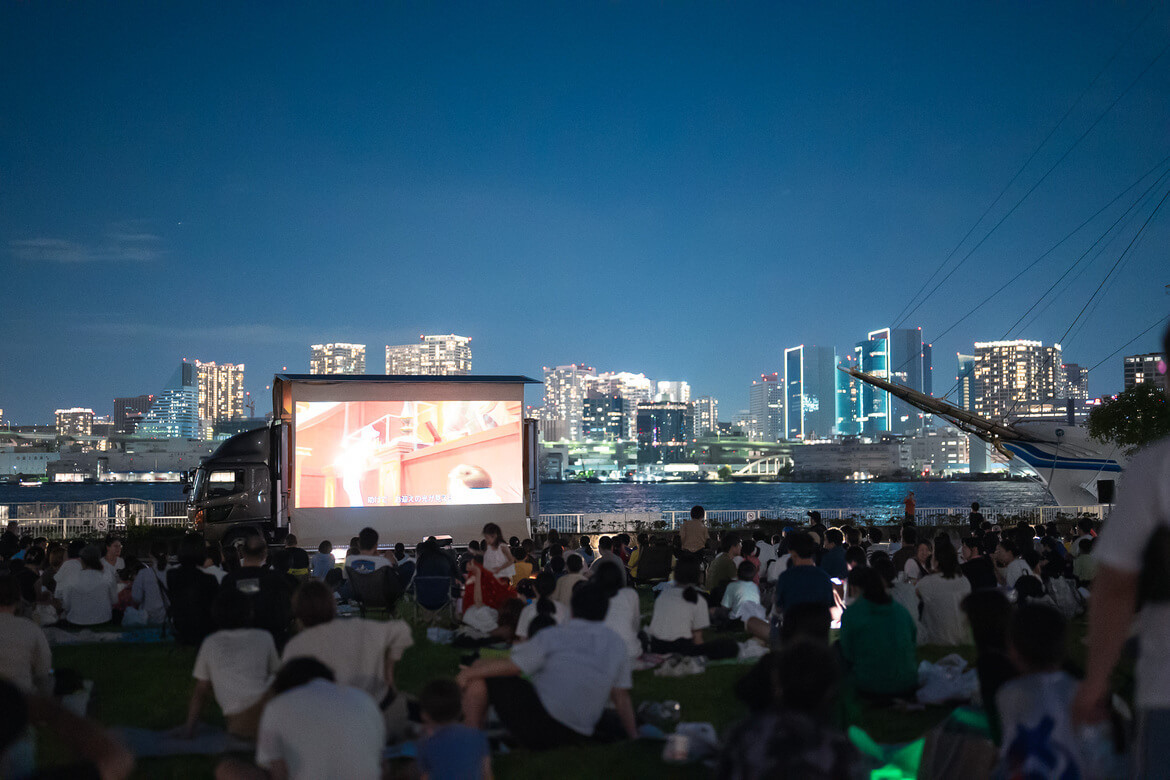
{"x":231,"y":492}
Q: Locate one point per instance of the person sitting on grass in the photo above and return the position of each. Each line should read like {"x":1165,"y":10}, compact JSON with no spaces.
{"x":25,"y":658}
{"x":313,"y":728}
{"x":574,"y":566}
{"x":448,"y":749}
{"x":88,"y":598}
{"x":298,"y":559}
{"x":1084,"y":567}
{"x":322,"y":561}
{"x":680,"y":615}
{"x":833,"y":560}
{"x":624,"y":613}
{"x":941,"y":594}
{"x":361,"y":652}
{"x":878,"y":640}
{"x":722,"y":569}
{"x":236,"y":664}
{"x":743,"y":591}
{"x":542,"y":605}
{"x":572,"y":671}
{"x":989,"y":613}
{"x":1035,"y":708}
{"x":191,"y":592}
{"x":793,"y":737}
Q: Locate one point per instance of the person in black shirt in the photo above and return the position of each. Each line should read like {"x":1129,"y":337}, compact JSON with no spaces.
{"x":975,"y":518}
{"x":270,"y":592}
{"x":191,"y":591}
{"x":977,"y":568}
{"x":298,"y":559}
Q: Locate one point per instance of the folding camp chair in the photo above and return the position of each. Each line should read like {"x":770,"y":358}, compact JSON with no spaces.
{"x":433,"y":594}
{"x":377,"y":589}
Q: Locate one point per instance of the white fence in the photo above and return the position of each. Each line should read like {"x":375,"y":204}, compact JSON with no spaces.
{"x":61,"y":520}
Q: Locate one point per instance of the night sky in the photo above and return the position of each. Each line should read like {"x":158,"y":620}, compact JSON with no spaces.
{"x":673,"y":188}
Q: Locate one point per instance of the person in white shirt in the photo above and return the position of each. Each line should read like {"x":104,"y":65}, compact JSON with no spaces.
{"x":361,"y":652}
{"x":236,"y":664}
{"x":88,"y":599}
{"x":742,"y":597}
{"x":112,"y":562}
{"x":70,"y":568}
{"x":624,"y":614}
{"x":942,"y":595}
{"x":314,"y":729}
{"x":680,"y":612}
{"x":25,"y":658}
{"x":542,"y":605}
{"x":1011,"y":567}
{"x":368,"y":558}
{"x":1085,"y":526}
{"x":147,"y":590}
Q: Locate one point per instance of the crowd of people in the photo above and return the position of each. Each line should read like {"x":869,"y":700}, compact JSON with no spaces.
{"x":272,"y":647}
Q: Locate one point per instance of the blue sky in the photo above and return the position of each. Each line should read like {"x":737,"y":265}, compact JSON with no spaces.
{"x":679,"y":189}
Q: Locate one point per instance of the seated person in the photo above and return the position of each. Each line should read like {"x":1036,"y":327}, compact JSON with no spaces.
{"x":793,"y":737}
{"x":572,"y":671}
{"x":25,"y":658}
{"x":236,"y":664}
{"x":322,"y":561}
{"x":680,"y":615}
{"x":191,"y":592}
{"x":624,"y":613}
{"x":742,"y":592}
{"x":722,"y":569}
{"x":270,"y":590}
{"x":989,"y":614}
{"x":878,"y":639}
{"x":367,"y":558}
{"x":483,"y":588}
{"x":293,"y":746}
{"x":448,"y":748}
{"x":298,"y":559}
{"x":88,"y":598}
{"x":941,"y":595}
{"x":361,"y":652}
{"x":542,"y":605}
{"x":574,"y":566}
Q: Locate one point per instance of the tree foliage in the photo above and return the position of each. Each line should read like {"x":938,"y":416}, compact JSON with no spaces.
{"x":1133,"y":419}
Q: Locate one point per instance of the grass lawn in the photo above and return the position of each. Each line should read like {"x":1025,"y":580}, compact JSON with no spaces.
{"x":148,"y":685}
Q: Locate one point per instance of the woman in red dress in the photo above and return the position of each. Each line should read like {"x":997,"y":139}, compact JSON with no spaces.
{"x":484,"y":588}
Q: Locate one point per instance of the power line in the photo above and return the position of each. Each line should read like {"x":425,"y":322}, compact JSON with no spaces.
{"x":1027,"y":162}
{"x":1126,"y":344}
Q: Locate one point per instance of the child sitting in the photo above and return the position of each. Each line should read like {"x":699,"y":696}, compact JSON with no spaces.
{"x":1038,"y":736}
{"x":742,"y":597}
{"x":448,"y":748}
{"x":322,"y":561}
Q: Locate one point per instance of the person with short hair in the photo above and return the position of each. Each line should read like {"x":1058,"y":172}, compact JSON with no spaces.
{"x":574,"y":565}
{"x":977,"y":567}
{"x":192,"y":592}
{"x":1035,"y":708}
{"x":723,"y":569}
{"x":368,"y":558}
{"x":833,"y":559}
{"x":803,"y":581}
{"x":88,"y":599}
{"x":298,"y":559}
{"x":694,"y":533}
{"x":269,"y":590}
{"x":449,"y":750}
{"x":112,"y":561}
{"x":572,"y":671}
{"x":975,"y":518}
{"x":1011,"y":566}
{"x":25,"y":658}
{"x":605,"y":553}
{"x":322,"y":561}
{"x":342,"y":738}
{"x":878,"y":639}
{"x":743,"y":590}
{"x":361,"y":652}
{"x":236,"y":664}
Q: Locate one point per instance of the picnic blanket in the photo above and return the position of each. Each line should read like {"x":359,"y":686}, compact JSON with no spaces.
{"x":61,"y":636}
{"x":208,"y":741}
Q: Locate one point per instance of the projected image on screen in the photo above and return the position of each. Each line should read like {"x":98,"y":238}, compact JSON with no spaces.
{"x":407,"y":453}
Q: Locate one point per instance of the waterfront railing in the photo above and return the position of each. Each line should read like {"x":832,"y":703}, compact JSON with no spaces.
{"x":68,"y":519}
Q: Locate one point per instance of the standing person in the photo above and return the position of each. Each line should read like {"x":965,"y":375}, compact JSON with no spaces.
{"x":1137,"y":532}
{"x":497,"y":557}
{"x":975,"y":518}
{"x":694,"y":532}
{"x":910,"y":505}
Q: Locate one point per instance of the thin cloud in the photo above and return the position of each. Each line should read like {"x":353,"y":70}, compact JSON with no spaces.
{"x":117,"y":246}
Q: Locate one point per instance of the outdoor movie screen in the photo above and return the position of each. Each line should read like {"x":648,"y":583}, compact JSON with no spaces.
{"x":407,"y":453}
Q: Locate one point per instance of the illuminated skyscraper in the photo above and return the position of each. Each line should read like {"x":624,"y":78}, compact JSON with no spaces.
{"x":706,"y":415}
{"x":1142,"y":368}
{"x":603,"y":417}
{"x":898,"y":355}
{"x":448,"y":355}
{"x":74,"y":422}
{"x":564,"y":400}
{"x":848,"y":403}
{"x":633,"y":388}
{"x":1076,"y":382}
{"x":679,"y":392}
{"x":1011,"y":373}
{"x":966,"y":380}
{"x":221,"y":392}
{"x":766,"y":407}
{"x":665,"y":429}
{"x":174,"y":414}
{"x":337,"y":358}
{"x":128,"y":412}
{"x":810,"y":392}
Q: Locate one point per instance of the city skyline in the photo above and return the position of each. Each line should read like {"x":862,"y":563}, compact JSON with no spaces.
{"x":684,"y":192}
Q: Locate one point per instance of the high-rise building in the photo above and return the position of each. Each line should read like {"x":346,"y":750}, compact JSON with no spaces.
{"x":848,"y":402}
{"x":173,"y":415}
{"x":966,"y":381}
{"x":766,"y":407}
{"x":448,"y":355}
{"x":810,"y":392}
{"x":1076,"y":382}
{"x":706,"y":415}
{"x":633,"y":388}
{"x":77,"y":421}
{"x":1011,"y":373}
{"x":130,"y":411}
{"x":564,"y":400}
{"x":665,"y":429}
{"x":337,"y":358}
{"x":898,"y":355}
{"x":1142,"y":368}
{"x":679,"y":392}
{"x":603,"y":417}
{"x":221,"y":392}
